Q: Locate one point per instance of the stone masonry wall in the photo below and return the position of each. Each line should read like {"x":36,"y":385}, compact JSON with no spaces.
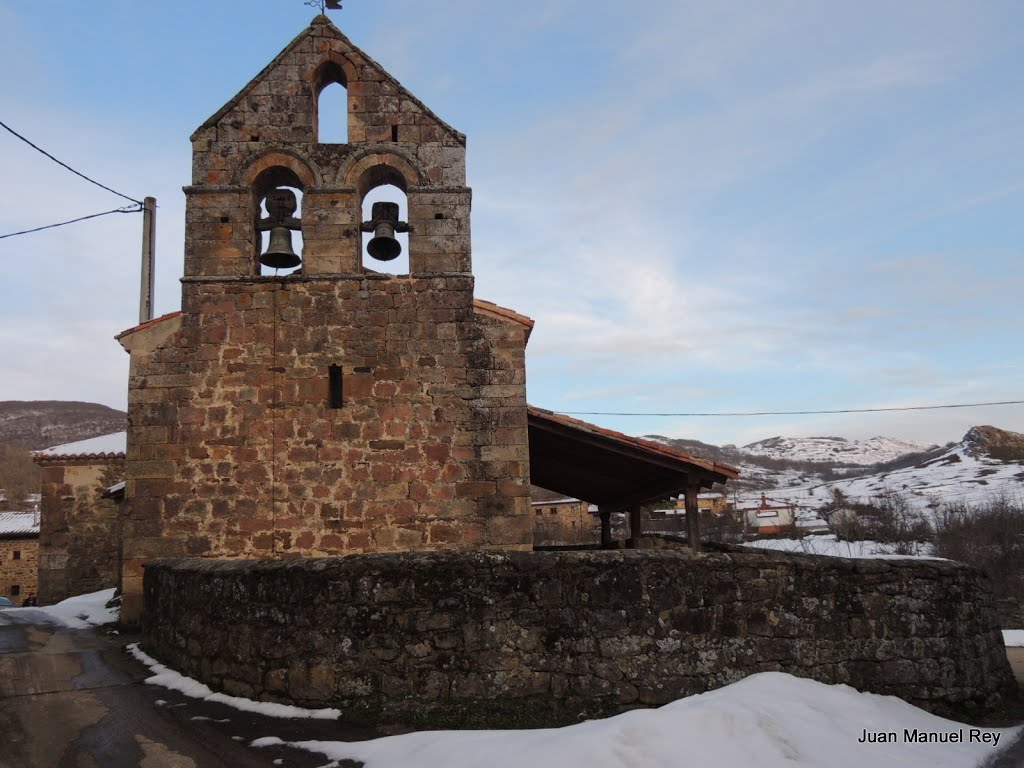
{"x":79,"y":531}
{"x":484,"y":639}
{"x":234,"y":450}
{"x":19,"y":566}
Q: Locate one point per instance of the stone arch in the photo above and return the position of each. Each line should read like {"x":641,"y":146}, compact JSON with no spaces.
{"x":395,"y":165}
{"x":271,"y":170}
{"x":372,"y":169}
{"x":332,"y":69}
{"x":302,"y":169}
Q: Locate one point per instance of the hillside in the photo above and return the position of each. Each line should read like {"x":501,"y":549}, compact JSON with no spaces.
{"x":43,"y":423}
{"x":780,"y":462}
{"x":987,"y":463}
{"x":835,"y":450}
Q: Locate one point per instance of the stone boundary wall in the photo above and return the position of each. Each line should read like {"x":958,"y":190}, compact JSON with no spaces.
{"x":523,"y":639}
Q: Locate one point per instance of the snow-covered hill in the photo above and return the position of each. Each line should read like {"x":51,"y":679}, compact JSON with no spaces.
{"x":877,"y":450}
{"x":987,"y":463}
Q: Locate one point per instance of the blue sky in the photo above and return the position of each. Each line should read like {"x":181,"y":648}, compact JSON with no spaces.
{"x":706,"y":207}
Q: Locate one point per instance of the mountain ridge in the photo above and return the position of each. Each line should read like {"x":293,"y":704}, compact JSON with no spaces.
{"x":38,"y":424}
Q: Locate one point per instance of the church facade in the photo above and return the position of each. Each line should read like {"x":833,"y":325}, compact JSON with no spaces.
{"x":332,"y":409}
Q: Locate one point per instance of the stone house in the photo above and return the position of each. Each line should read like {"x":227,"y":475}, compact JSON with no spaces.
{"x":335,"y":409}
{"x":80,"y":529}
{"x":716,"y":503}
{"x":565,"y":522}
{"x":19,"y":555}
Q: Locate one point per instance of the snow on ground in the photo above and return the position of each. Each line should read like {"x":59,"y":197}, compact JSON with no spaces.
{"x":83,"y":611}
{"x":168,"y":678}
{"x":828,"y":544}
{"x":1013,"y":638}
{"x":771,"y":720}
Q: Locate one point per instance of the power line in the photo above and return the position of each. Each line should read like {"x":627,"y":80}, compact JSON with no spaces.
{"x":65,"y":165}
{"x":126,"y":209}
{"x":800,"y":413}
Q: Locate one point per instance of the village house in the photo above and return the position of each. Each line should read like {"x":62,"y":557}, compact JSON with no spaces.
{"x":19,"y":555}
{"x":80,"y":527}
{"x":770,"y":517}
{"x":565,"y":522}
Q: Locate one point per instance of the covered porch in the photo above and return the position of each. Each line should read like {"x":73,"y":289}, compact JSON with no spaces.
{"x":616,"y":472}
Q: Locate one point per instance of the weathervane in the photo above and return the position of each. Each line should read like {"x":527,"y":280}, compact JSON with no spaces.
{"x":329,"y":5}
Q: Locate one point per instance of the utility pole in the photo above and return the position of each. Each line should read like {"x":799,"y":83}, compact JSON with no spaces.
{"x":148,"y":248}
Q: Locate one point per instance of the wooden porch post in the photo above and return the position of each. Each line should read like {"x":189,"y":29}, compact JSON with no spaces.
{"x":635,"y":525}
{"x":692,"y":515}
{"x":606,"y":525}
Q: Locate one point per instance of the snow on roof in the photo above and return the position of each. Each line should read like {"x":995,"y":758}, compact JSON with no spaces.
{"x":18,"y":523}
{"x":98,"y":447}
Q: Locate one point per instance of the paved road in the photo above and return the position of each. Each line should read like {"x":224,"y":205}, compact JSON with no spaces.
{"x":74,"y":699}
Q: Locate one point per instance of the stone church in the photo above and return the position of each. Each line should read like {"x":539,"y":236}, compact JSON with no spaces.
{"x":306,"y":403}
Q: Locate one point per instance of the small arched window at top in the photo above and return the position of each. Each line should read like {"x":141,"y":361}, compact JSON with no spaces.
{"x":331,"y":119}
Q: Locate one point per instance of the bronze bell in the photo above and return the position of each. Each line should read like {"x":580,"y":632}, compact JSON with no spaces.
{"x":281,"y":206}
{"x":279,"y":253}
{"x":383,"y":246}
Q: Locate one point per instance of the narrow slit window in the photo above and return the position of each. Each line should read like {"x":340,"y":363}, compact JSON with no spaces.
{"x":334,"y":386}
{"x":17,"y":554}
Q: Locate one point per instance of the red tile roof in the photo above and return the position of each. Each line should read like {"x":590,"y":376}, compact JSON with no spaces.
{"x":148,"y":324}
{"x":635,"y":442}
{"x":494,"y":310}
{"x":95,"y":449}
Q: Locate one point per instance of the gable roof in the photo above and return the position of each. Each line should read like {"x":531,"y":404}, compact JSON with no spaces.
{"x":19,"y":524}
{"x":112,"y":446}
{"x":148,"y":324}
{"x":321,"y":26}
{"x":490,"y":309}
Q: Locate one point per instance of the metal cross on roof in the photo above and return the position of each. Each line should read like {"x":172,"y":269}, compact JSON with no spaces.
{"x":328,"y":5}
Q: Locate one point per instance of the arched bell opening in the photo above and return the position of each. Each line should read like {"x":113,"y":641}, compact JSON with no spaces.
{"x":384,"y":209}
{"x":278,"y":197}
{"x":330,"y":121}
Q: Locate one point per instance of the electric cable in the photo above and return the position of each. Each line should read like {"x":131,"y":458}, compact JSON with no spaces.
{"x":799,"y":413}
{"x":65,"y":165}
{"x":126,"y":209}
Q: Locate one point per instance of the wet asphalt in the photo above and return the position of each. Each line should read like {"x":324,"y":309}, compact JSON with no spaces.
{"x":74,"y":698}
